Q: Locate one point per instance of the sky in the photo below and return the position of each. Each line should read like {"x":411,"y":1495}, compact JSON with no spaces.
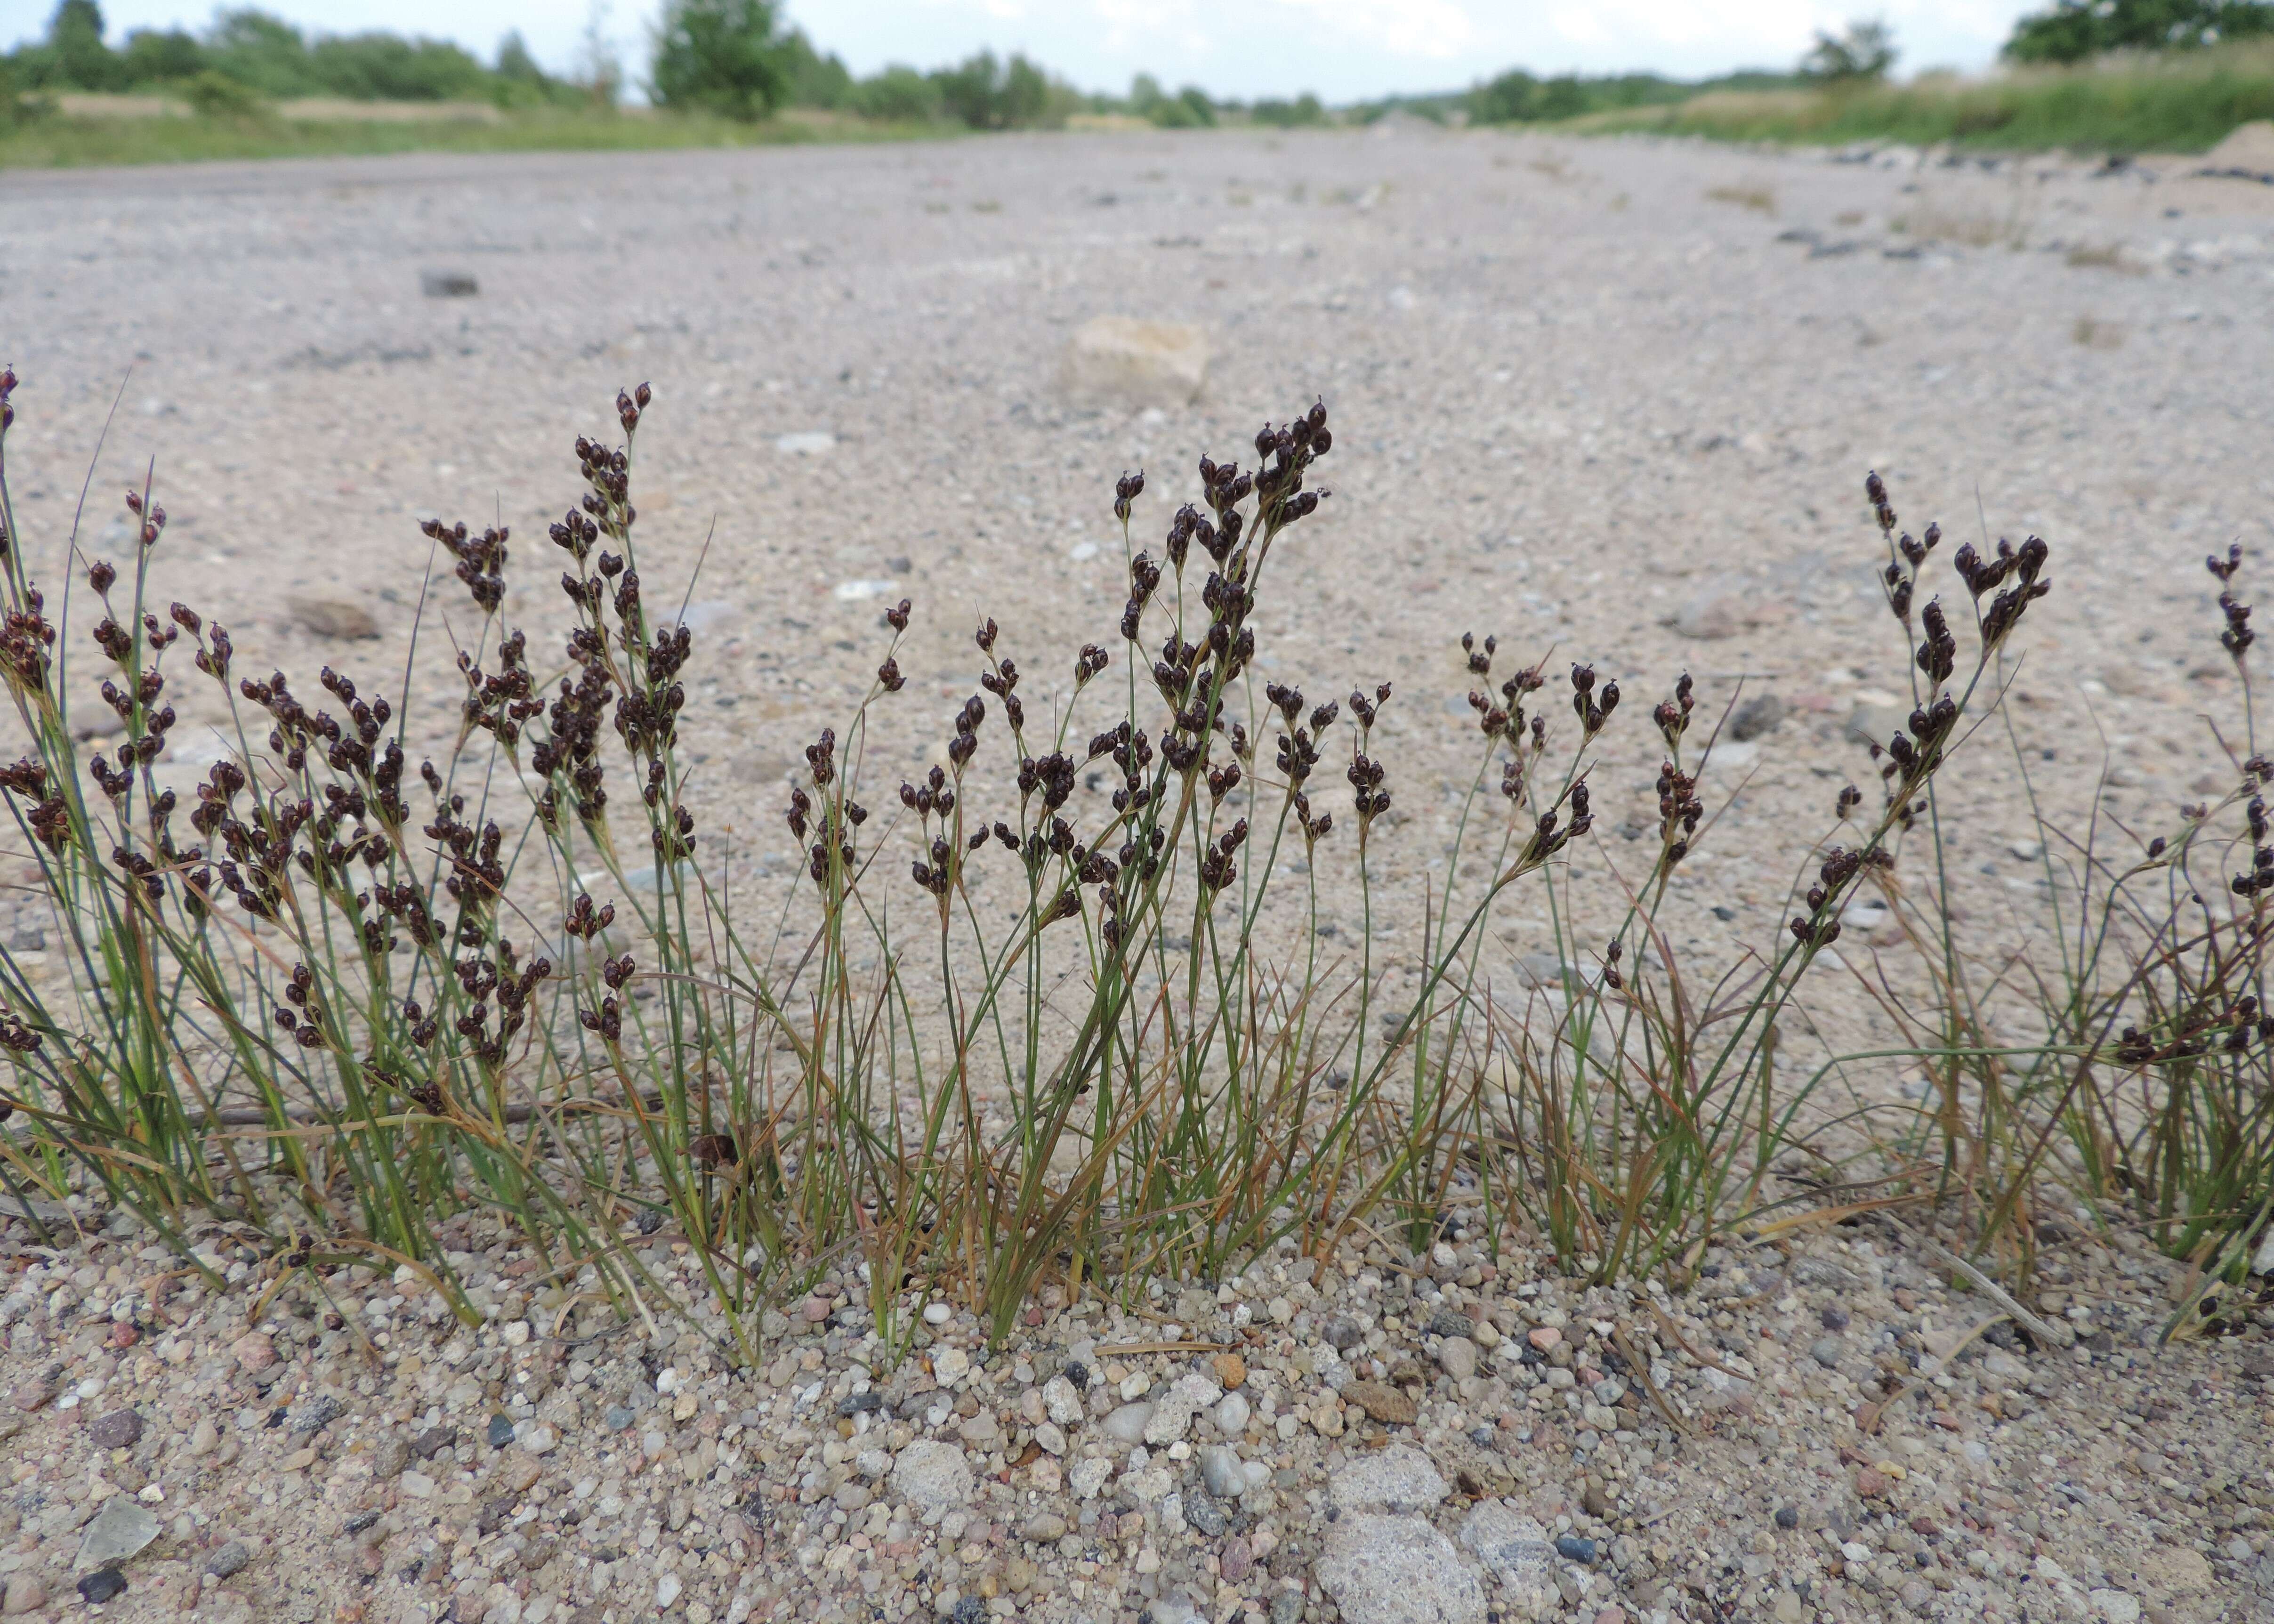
{"x":1343,"y":50}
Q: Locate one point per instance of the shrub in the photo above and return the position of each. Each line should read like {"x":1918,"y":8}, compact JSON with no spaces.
{"x":898,"y":95}
{"x":1862,"y":54}
{"x":2077,"y":30}
{"x":1302,"y":112}
{"x":720,"y":56}
{"x":987,"y":94}
{"x":153,"y":57}
{"x":215,"y":94}
{"x":385,"y":67}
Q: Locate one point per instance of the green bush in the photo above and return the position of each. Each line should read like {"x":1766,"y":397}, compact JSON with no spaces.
{"x":385,"y":67}
{"x":898,"y":95}
{"x":720,"y":56}
{"x":152,"y":57}
{"x":215,"y":94}
{"x":1302,"y":111}
{"x":991,"y":95}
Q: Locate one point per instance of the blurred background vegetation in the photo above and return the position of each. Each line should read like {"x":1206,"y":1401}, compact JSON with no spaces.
{"x":2121,"y":75}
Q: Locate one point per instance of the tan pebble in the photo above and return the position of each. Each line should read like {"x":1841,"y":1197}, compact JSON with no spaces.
{"x":1231,"y":1369}
{"x":1383,"y":1402}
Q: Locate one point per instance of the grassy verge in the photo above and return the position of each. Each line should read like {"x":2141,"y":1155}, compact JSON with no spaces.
{"x":59,"y":141}
{"x":2177,"y":103}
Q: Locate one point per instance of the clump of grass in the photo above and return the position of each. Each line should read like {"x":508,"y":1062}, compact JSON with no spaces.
{"x":1059,"y":1012}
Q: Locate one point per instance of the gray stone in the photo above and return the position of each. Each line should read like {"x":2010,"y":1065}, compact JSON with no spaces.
{"x":1203,"y":1513}
{"x":1714,"y":614}
{"x":1287,"y":1607}
{"x":1342,"y":1333}
{"x":1758,"y":715}
{"x":121,"y":1528}
{"x":1223,"y":1471}
{"x":1513,"y":1547}
{"x":1121,"y":362}
{"x":333,"y":617}
{"x":1127,"y":1423}
{"x":932,"y":1476}
{"x":1062,"y":1400}
{"x":1445,"y":1322}
{"x":1399,"y":1478}
{"x":1457,"y":1356}
{"x":448,"y":285}
{"x":1170,"y":1420}
{"x":1231,"y":1415}
{"x":1044,"y":1528}
{"x":229,"y":1559}
{"x":1826,"y":1351}
{"x":320,"y":1412}
{"x":1176,"y":1607}
{"x":388,"y":1456}
{"x":1398,"y":1570}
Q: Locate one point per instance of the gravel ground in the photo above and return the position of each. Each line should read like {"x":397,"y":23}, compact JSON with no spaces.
{"x":1617,"y":398}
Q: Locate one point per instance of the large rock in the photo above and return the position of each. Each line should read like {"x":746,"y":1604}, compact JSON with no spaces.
{"x":1398,"y":1478}
{"x":1398,"y":1570}
{"x":1120,"y":361}
{"x":932,"y":1476}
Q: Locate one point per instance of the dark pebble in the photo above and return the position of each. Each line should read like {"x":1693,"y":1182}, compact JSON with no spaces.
{"x":619,"y":1417}
{"x":121,"y":1429}
{"x":1834,"y":1318}
{"x":433,"y":1441}
{"x":500,"y":1431}
{"x":1078,"y":1373}
{"x":1342,"y":1333}
{"x":1481,"y":1436}
{"x":1756,"y":717}
{"x":1571,"y":1548}
{"x":1787,"y":1517}
{"x":316,"y":1413}
{"x":361,"y":1520}
{"x":1202,"y":1512}
{"x":102,"y":1585}
{"x":861,"y":1403}
{"x":1445,"y":1322}
{"x":233,"y":1557}
{"x":969,"y":1609}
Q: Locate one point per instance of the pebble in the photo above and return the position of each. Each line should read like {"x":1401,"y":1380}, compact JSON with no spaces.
{"x":1342,"y":1333}
{"x":1062,"y":1400}
{"x":1445,"y":1322}
{"x":542,"y":1438}
{"x":1457,"y":1356}
{"x":1382,"y":1401}
{"x":333,"y":617}
{"x":103,"y":1584}
{"x":500,"y":1431}
{"x":1232,"y":1414}
{"x":25,"y":1593}
{"x":1572,"y":1548}
{"x":937,"y":1314}
{"x":1230,"y":1370}
{"x":121,"y":1528}
{"x":1044,"y":1528}
{"x":932,"y":1476}
{"x":254,"y":1351}
{"x":321,"y":1411}
{"x":1787,"y":1517}
{"x":121,"y":1429}
{"x":618,"y":1418}
{"x":1127,"y":1423}
{"x":1758,"y":715}
{"x":1223,"y":1471}
{"x":1826,"y":1351}
{"x":1543,"y":1337}
{"x":229,"y":1560}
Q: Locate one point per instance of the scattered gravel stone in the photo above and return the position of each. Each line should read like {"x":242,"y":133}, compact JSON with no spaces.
{"x":1572,"y":1548}
{"x":1457,"y":1356}
{"x":1202,"y":1512}
{"x":332,"y":617}
{"x":253,"y":1351}
{"x":1398,"y":1570}
{"x":1223,"y":1471}
{"x":1445,"y":1322}
{"x":1787,"y":1517}
{"x":434,"y":1440}
{"x":932,"y":1476}
{"x":1756,"y":717}
{"x":1127,"y":1423}
{"x":1122,"y":362}
{"x":1383,"y":1402}
{"x":500,"y":1431}
{"x":25,"y":1593}
{"x":121,"y":1429}
{"x":1828,"y":1351}
{"x":321,"y":1411}
{"x":103,"y":1584}
{"x":448,"y":285}
{"x":229,"y":1560}
{"x":1232,"y":1413}
{"x":121,"y":1529}
{"x":1342,"y":1333}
